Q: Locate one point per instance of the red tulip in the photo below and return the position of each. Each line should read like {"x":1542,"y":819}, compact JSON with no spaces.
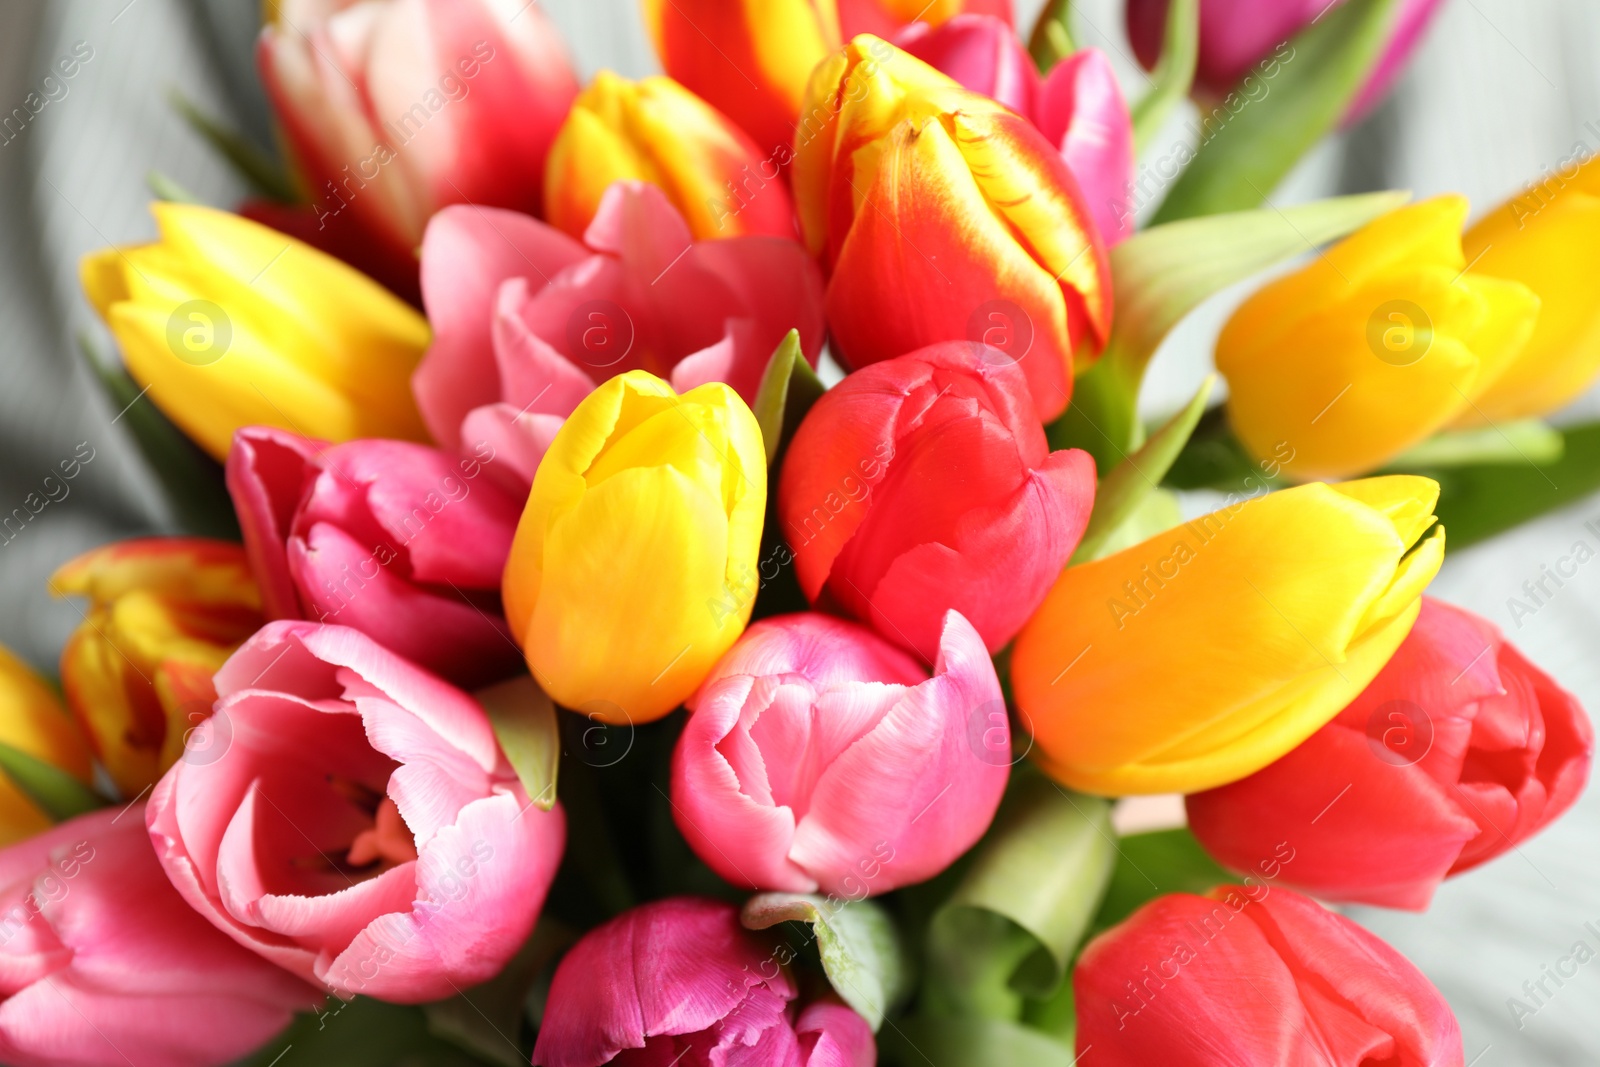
{"x":1255,"y":977}
{"x":1079,"y":107}
{"x":679,"y":983}
{"x":102,"y":962}
{"x":1459,"y":749}
{"x":395,"y":108}
{"x":941,"y":215}
{"x":924,"y":484}
{"x":398,"y":540}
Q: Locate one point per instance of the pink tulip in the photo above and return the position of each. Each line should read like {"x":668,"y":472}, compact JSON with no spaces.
{"x":819,"y":756}
{"x":527,"y":321}
{"x":351,"y":818}
{"x":680,"y":982}
{"x":101,"y":961}
{"x":398,"y":540}
{"x":1079,"y":107}
{"x":924,"y":483}
{"x":395,"y":108}
{"x":1237,"y":35}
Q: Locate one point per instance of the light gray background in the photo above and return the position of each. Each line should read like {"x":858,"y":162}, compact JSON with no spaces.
{"x":1501,"y":92}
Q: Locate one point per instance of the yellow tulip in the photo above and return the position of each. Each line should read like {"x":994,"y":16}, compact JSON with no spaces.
{"x":1201,"y":655}
{"x":1547,"y":238}
{"x":229,"y":323}
{"x":164,"y":614}
{"x":629,"y":575}
{"x":1374,"y":346}
{"x":657,"y":131}
{"x":33,"y":722}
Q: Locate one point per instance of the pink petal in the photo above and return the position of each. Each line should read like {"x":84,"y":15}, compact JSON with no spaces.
{"x":516,"y":440}
{"x":1082,"y":111}
{"x":835,"y":1036}
{"x":269,"y":472}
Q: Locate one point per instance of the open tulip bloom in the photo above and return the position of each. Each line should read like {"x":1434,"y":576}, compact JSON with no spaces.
{"x":668,"y":571}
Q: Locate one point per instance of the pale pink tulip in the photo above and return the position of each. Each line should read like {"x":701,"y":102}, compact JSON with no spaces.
{"x":398,"y":540}
{"x":395,"y":108}
{"x":101,"y":961}
{"x":1079,"y":107}
{"x":528,"y":321}
{"x":351,"y":818}
{"x":680,"y":982}
{"x":819,"y":756}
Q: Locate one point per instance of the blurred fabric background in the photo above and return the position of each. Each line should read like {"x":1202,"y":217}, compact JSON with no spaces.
{"x":1501,"y":92}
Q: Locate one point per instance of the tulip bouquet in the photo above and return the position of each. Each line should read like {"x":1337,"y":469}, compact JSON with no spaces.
{"x":672,"y":572}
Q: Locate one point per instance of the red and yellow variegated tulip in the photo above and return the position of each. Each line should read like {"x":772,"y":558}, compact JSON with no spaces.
{"x":33,"y":722}
{"x":942,"y":215}
{"x":751,"y":58}
{"x":164,"y":614}
{"x":657,"y":131}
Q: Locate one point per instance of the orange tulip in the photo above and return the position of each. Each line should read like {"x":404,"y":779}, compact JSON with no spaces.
{"x":944,"y":216}
{"x":34,"y":724}
{"x":164,"y":614}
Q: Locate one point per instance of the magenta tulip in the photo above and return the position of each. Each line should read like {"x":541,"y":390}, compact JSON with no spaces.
{"x":679,"y":982}
{"x":1456,"y":752}
{"x":102,"y":962}
{"x":395,"y":108}
{"x":1238,"y":35}
{"x":351,"y":818}
{"x":1255,"y":977}
{"x":398,"y":540}
{"x":527,"y":321}
{"x":819,"y":756}
{"x":923,"y":484}
{"x":1078,"y":107}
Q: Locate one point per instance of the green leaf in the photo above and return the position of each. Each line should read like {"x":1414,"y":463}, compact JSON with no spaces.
{"x":1174,"y":74}
{"x":1476,"y":502}
{"x":788,"y":389}
{"x":1250,"y":144}
{"x":252,"y":164}
{"x":1530,"y":441}
{"x":524,"y":721}
{"x":1123,"y":492}
{"x":191,"y":481}
{"x":360,"y":1033}
{"x":1051,"y":40}
{"x":1013,"y":924}
{"x":1162,"y":274}
{"x":968,"y":1041}
{"x":52,"y":790}
{"x":164,"y":188}
{"x":860,"y":948}
{"x":1152,"y":865}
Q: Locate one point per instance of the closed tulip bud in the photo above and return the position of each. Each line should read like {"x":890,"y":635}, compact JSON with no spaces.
{"x":1373,"y":346}
{"x":1240,"y":38}
{"x":228,"y":323}
{"x":1458,"y":750}
{"x":528,"y":321}
{"x":1078,"y":107}
{"x":164,"y":613}
{"x":34,"y":723}
{"x":1201,"y":655}
{"x":103,"y":962}
{"x":624,"y":996}
{"x":351,"y":818}
{"x":398,"y":540}
{"x":751,"y":60}
{"x":655,"y":130}
{"x":634,"y":564}
{"x":924,"y":484}
{"x":820,"y":757}
{"x":1548,"y":238}
{"x":942,"y":215}
{"x":397,"y":108}
{"x":1255,"y":977}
